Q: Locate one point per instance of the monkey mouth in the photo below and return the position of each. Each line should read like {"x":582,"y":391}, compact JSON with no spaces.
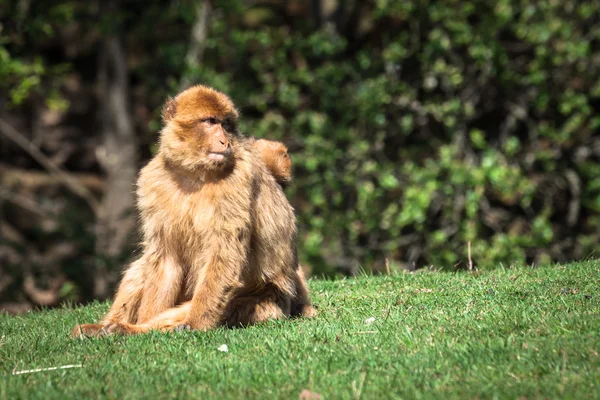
{"x":219,"y":156}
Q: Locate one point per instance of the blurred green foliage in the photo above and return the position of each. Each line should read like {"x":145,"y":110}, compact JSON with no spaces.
{"x":414,"y":126}
{"x":443,"y":123}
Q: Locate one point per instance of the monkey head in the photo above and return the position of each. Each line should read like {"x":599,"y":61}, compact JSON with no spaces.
{"x":276,"y":158}
{"x":200,"y":133}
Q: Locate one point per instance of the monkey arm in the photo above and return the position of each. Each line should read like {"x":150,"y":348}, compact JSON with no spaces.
{"x":150,"y":286}
{"x":129,"y":295}
{"x":220,"y":277}
{"x":162,"y":286}
{"x":281,"y":262}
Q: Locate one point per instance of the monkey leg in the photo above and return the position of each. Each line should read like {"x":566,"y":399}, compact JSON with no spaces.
{"x":98,"y":330}
{"x":301,"y":303}
{"x":168,"y":320}
{"x":208,"y":306}
{"x":125,"y":306}
{"x":294,"y":282}
{"x":249,"y":310}
{"x":150,"y":285}
{"x":162,"y":285}
{"x":219,"y":277}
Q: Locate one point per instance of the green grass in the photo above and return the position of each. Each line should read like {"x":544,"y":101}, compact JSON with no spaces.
{"x":505,"y":333}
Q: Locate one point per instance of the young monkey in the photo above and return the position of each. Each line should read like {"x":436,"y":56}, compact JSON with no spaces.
{"x":276,"y":158}
{"x":219,"y":242}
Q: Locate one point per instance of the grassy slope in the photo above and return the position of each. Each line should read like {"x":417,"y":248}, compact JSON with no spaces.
{"x":506,"y":333}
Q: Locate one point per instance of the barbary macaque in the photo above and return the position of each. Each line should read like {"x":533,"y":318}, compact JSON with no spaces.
{"x":276,"y":158}
{"x":219,"y":236}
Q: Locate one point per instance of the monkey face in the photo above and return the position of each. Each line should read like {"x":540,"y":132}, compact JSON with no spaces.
{"x":210,"y":141}
{"x":200,"y":131}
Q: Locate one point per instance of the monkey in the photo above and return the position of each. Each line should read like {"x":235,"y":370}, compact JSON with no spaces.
{"x":276,"y":158}
{"x":219,"y":236}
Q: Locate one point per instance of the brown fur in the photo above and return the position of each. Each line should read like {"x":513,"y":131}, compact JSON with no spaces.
{"x":276,"y":158}
{"x":219,"y":235}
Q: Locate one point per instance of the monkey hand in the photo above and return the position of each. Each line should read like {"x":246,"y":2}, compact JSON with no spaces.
{"x":182,"y":328}
{"x":197,"y":324}
{"x":303,"y":310}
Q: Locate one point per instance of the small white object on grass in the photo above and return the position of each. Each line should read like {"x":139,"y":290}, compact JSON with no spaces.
{"x":223,"y":348}
{"x":369,"y":321}
{"x":29,"y":371}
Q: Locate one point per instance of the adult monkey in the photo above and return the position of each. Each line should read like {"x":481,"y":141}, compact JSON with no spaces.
{"x":219,"y":234}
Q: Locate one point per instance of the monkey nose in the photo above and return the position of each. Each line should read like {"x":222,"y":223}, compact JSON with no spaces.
{"x":224,"y":143}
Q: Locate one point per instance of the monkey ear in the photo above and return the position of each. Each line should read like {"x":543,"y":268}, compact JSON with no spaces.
{"x":169,"y":110}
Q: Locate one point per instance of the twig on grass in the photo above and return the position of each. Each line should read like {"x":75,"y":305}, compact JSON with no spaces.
{"x":357,"y":389}
{"x":469,"y":253}
{"x":387,"y":266}
{"x":29,"y":371}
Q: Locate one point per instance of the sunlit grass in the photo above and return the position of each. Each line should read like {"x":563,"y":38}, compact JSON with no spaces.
{"x":504,"y":333}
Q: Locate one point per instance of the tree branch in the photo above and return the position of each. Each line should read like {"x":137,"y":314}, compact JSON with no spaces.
{"x":198,"y":37}
{"x":19,"y":139}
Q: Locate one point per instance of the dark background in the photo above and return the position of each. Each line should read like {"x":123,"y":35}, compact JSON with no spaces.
{"x":415,"y":127}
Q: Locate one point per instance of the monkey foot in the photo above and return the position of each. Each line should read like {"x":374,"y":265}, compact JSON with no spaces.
{"x":304,"y":311}
{"x":308,"y":311}
{"x":97,"y":330}
{"x":116,"y":329}
{"x":182,"y":328}
{"x":88,"y":330}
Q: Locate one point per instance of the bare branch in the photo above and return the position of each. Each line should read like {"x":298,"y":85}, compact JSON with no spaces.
{"x":26,"y":203}
{"x":11,"y":133}
{"x":32,"y":180}
{"x":118,"y":156}
{"x":45,"y":297}
{"x":198,"y":37}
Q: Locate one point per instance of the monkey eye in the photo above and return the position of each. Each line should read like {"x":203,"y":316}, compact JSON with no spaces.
{"x":210,"y":120}
{"x":229,"y":126}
